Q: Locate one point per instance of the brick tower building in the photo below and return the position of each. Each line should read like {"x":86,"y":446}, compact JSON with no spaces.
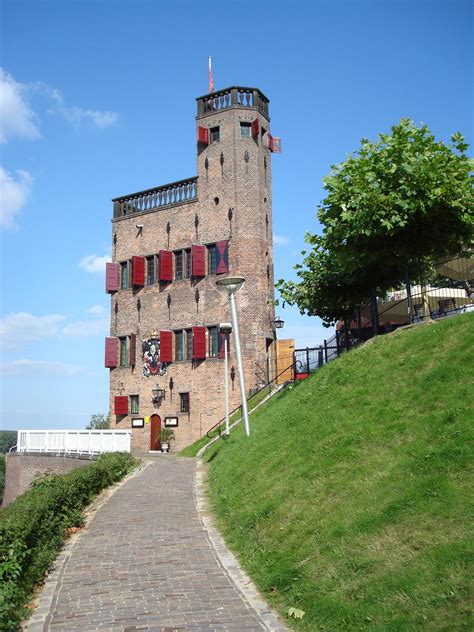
{"x":169,"y":245}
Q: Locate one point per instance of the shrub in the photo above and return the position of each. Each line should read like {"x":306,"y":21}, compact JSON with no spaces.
{"x":33,"y":527}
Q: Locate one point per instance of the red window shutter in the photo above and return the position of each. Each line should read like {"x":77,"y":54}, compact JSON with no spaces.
{"x":270,"y":142}
{"x":166,"y":265}
{"x":111,"y":349}
{"x":138,"y":271}
{"x":255,"y":127}
{"x":222,"y":250}
{"x":112,"y":271}
{"x":203,"y":135}
{"x":199,"y":343}
{"x":198,"y":258}
{"x":133,"y":349}
{"x":166,"y":346}
{"x":121,"y":405}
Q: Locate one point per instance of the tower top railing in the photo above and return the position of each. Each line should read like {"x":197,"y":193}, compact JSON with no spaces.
{"x":236,"y":96}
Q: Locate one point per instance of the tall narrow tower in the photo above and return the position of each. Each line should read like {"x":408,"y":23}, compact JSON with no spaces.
{"x":170,"y":243}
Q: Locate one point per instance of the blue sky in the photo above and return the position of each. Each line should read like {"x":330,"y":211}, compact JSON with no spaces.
{"x":98,"y":100}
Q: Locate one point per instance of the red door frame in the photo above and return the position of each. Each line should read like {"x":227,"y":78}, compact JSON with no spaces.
{"x":155,"y":427}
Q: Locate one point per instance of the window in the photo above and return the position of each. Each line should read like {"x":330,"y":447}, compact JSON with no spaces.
{"x":211,"y":259}
{"x":245,"y":129}
{"x":123,"y":351}
{"x":213,"y":342}
{"x":134,"y":404}
{"x":150,"y":270}
{"x":179,"y":345}
{"x":189,"y":344}
{"x":214,"y":135}
{"x":184,"y":403}
{"x":178,"y":265}
{"x":124,"y":276}
{"x":188,"y":268}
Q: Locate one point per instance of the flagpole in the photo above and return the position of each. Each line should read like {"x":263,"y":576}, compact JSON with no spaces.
{"x":211,"y":80}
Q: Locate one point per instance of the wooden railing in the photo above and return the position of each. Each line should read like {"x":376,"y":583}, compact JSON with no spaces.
{"x":232,"y":97}
{"x":172,"y":194}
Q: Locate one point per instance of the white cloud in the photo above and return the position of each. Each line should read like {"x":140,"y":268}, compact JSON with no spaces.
{"x":42,"y":367}
{"x":96,"y":310}
{"x":94,"y":263}
{"x":17,"y":119}
{"x":17,"y":329}
{"x":280,"y":240}
{"x":85,"y":328}
{"x":75,"y":114}
{"x":13,"y":195}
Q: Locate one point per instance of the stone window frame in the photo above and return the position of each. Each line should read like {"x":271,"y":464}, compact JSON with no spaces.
{"x":134,"y":404}
{"x":247,"y":126}
{"x":184,"y":402}
{"x":216,"y":130}
{"x":125,"y":279}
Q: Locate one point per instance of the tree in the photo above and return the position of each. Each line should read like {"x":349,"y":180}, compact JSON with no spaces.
{"x":401,"y":201}
{"x":99,"y":421}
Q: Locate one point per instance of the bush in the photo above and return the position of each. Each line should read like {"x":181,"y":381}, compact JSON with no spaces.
{"x":33,"y":527}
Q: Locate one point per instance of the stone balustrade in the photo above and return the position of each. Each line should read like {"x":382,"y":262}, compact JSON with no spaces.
{"x":173,"y":194}
{"x":232,"y":97}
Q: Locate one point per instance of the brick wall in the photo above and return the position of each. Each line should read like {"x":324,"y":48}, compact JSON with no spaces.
{"x":234,"y":173}
{"x":22,"y":469}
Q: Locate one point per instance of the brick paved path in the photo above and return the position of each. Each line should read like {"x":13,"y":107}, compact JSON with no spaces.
{"x":145,"y":563}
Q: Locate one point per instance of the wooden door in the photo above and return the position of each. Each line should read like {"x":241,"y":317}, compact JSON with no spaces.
{"x":285,"y":349}
{"x":155,"y":427}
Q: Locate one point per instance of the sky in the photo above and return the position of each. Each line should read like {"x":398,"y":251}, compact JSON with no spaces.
{"x":97,"y":99}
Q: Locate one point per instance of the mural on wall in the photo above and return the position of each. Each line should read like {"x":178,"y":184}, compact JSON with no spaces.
{"x":151,"y":358}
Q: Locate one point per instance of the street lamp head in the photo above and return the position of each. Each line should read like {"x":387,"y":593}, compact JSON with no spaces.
{"x":230,"y":284}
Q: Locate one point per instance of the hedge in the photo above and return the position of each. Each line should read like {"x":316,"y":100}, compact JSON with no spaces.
{"x":34,"y":526}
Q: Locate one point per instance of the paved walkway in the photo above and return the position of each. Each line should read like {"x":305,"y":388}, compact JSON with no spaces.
{"x":146,"y":563}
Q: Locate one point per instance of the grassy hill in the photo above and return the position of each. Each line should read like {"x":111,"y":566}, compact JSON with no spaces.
{"x":350,"y":500}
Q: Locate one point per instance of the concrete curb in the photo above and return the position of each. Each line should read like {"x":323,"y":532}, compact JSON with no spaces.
{"x":227,"y":560}
{"x":46,"y":595}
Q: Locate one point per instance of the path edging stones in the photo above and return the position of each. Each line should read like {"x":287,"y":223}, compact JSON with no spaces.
{"x":228,"y":561}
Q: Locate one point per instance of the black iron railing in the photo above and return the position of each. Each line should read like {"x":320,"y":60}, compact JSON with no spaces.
{"x":253,"y":400}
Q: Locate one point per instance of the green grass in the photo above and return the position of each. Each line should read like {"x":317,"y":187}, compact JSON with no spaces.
{"x":350,"y":500}
{"x":254,"y":400}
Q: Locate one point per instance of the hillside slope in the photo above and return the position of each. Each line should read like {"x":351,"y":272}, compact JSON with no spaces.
{"x":350,"y":499}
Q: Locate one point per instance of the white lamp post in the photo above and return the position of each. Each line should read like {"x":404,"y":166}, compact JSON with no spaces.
{"x":231,"y":285}
{"x":226,"y":329}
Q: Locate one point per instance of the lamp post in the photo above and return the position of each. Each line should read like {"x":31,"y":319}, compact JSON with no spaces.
{"x":226,"y":329}
{"x":231,"y":285}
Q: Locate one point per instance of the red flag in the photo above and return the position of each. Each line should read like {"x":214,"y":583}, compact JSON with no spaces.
{"x":211,"y":80}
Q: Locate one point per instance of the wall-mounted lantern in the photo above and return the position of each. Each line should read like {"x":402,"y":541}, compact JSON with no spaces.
{"x":171,"y":385}
{"x":157,"y":395}
{"x":278,"y":322}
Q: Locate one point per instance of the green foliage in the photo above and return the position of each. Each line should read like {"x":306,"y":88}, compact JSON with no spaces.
{"x":2,"y":475}
{"x":99,"y":421}
{"x":166,"y":435}
{"x":350,"y":499}
{"x":403,"y":200}
{"x":33,"y":527}
{"x":7,"y":439}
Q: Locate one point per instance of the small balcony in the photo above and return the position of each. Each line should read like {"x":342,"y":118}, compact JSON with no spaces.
{"x":231,"y":98}
{"x":165,"y":196}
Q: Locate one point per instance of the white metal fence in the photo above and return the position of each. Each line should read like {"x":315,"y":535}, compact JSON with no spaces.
{"x":74,"y":441}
